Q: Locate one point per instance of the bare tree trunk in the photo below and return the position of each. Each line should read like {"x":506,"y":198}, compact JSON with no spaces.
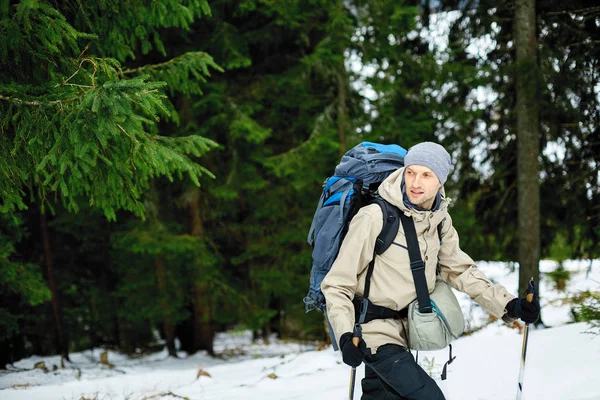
{"x":343,"y":128}
{"x":6,"y":353}
{"x":204,"y":333}
{"x":528,"y":141}
{"x":63,"y":345}
{"x":168,"y":327}
{"x":203,"y":329}
{"x":342,"y":109}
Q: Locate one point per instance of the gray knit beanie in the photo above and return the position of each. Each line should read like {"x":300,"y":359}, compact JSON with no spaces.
{"x":432,"y":156}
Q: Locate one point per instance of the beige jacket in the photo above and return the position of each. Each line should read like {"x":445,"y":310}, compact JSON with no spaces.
{"x":392,"y":283}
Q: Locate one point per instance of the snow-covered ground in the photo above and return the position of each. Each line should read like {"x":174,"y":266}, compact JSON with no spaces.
{"x":563,"y":362}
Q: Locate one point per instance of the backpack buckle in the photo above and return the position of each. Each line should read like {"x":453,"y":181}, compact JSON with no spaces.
{"x":379,"y":243}
{"x":417,"y":265}
{"x":364,"y":306}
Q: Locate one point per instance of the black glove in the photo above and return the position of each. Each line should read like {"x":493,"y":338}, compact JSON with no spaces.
{"x":352,"y":355}
{"x":521,"y":308}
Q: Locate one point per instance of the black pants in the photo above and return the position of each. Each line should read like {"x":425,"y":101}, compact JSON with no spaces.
{"x":393,"y":374}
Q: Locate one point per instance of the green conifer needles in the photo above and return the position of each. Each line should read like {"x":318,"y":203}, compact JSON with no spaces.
{"x":74,"y":126}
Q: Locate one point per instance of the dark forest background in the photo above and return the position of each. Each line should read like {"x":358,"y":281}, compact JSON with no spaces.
{"x":160,"y":162}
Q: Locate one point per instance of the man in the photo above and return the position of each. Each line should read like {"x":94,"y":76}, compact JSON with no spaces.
{"x":417,"y":190}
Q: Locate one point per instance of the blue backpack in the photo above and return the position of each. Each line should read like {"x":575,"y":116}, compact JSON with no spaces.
{"x":353,"y":185}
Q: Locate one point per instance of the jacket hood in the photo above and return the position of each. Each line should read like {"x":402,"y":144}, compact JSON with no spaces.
{"x":391,"y":191}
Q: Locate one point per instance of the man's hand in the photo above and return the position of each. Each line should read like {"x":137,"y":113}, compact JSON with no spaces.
{"x":351,"y":354}
{"x":521,"y":308}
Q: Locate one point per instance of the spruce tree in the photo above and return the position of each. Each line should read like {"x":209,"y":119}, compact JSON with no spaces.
{"x":77,"y":124}
{"x":83,"y":121}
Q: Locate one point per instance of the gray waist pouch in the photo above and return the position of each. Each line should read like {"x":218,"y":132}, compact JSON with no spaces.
{"x":435,"y":330}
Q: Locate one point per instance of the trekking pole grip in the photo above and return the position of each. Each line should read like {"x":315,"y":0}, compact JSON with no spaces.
{"x":530,"y":290}
{"x":529,"y":297}
{"x":357,"y":334}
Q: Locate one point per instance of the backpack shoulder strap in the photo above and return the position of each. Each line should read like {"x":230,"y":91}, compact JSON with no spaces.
{"x":391,"y":223}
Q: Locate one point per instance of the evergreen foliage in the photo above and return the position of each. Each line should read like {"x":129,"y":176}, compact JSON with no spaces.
{"x":78,"y":125}
{"x":589,"y":311}
{"x":21,"y":284}
{"x":108,"y":111}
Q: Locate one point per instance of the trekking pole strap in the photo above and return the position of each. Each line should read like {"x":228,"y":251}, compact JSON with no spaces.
{"x":450,"y":359}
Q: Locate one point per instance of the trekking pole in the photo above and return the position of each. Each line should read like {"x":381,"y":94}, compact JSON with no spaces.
{"x":357,"y":334}
{"x":529,"y":296}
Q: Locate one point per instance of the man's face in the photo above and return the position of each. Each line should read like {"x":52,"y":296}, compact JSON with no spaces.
{"x":422,"y":185}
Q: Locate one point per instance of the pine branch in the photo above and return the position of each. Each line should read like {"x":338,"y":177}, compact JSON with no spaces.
{"x":92,"y":77}
{"x":36,"y":103}
{"x":103,"y":148}
{"x":184,"y":73}
{"x":151,"y":67}
{"x":583,"y":43}
{"x":591,"y":11}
